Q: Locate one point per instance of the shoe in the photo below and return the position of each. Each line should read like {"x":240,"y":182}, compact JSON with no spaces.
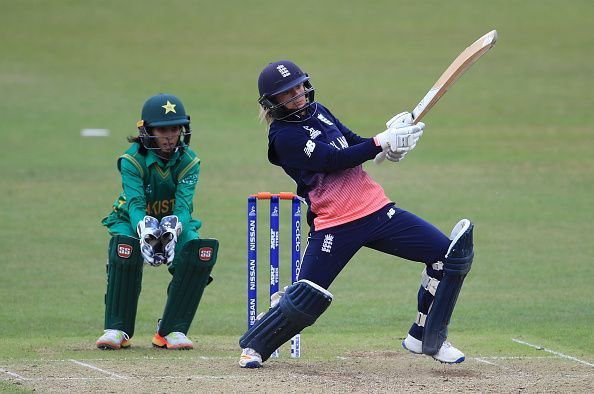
{"x":412,"y":344}
{"x":447,"y":352}
{"x":113,"y":340}
{"x":174,"y":340}
{"x":250,"y":359}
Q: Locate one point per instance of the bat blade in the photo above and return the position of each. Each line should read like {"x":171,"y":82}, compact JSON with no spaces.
{"x":454,"y":71}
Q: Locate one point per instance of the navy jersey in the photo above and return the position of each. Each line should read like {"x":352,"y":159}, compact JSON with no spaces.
{"x":325,"y":159}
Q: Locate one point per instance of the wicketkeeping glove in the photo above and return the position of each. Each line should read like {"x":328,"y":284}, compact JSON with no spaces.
{"x":150,"y":243}
{"x":170,"y":228}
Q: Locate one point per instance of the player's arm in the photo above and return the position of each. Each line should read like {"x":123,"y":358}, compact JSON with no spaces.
{"x":352,"y":138}
{"x":403,"y":143}
{"x":186,"y":188}
{"x":298,"y":151}
{"x":133,"y":187}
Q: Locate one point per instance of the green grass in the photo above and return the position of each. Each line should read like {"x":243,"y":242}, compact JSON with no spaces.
{"x":510,"y":146}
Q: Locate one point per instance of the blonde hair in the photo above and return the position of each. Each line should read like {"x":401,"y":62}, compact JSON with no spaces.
{"x":264,"y":116}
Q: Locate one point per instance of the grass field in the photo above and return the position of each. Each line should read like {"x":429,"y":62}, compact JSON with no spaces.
{"x":510,"y":146}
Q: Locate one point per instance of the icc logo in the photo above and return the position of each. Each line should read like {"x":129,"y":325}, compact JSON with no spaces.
{"x":124,"y":251}
{"x":205,"y":254}
{"x":252,"y":212}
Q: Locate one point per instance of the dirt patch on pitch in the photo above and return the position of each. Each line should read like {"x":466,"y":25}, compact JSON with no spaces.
{"x":356,"y":372}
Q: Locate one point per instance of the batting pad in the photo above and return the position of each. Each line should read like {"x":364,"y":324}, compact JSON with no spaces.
{"x":456,"y":265}
{"x":187,"y":285}
{"x":124,"y":280}
{"x":300,"y":306}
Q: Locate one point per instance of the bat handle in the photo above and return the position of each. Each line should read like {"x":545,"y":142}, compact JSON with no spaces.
{"x":379,"y":158}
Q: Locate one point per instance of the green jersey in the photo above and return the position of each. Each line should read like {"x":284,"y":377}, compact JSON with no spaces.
{"x":156,"y":188}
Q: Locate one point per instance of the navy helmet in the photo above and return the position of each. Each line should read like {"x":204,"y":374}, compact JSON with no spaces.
{"x":279,"y":77}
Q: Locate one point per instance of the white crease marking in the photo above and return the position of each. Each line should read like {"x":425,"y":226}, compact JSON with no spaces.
{"x":13,"y":374}
{"x":480,"y":360}
{"x":115,"y":375}
{"x":553,"y":352}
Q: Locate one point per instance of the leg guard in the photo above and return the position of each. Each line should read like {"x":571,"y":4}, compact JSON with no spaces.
{"x":124,"y":280}
{"x":187,"y":285}
{"x":299,"y":307}
{"x":430,"y":278}
{"x":456,"y":265}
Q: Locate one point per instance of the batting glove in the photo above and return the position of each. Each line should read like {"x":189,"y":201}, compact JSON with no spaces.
{"x":395,"y":156}
{"x":403,"y":119}
{"x":400,"y":138}
{"x":409,"y":137}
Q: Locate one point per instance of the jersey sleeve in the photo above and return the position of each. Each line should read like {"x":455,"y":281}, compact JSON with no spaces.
{"x":186,"y":188}
{"x":133,"y":187}
{"x":352,"y":138}
{"x":297,"y":150}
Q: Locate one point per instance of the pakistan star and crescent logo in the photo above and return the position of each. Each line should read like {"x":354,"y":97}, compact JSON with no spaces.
{"x":169,"y":107}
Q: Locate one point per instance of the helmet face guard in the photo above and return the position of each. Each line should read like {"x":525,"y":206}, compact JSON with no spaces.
{"x":278,"y":77}
{"x":149,"y":142}
{"x":163,"y":110}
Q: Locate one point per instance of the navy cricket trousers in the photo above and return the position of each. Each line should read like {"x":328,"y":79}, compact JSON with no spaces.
{"x":390,"y":230}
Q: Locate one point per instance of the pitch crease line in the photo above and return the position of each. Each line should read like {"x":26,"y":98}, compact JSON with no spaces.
{"x":13,"y":374}
{"x":115,"y":375}
{"x":480,"y":360}
{"x":553,"y":352}
{"x":145,"y":378}
{"x":516,"y":357}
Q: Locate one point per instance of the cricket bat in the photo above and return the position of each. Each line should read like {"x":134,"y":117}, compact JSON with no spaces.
{"x":460,"y":64}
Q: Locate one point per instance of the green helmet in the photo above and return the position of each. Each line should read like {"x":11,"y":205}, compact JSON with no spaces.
{"x":164,"y":110}
{"x":159,"y":111}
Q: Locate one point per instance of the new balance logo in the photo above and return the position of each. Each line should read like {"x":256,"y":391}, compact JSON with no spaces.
{"x":327,"y":245}
{"x":283,"y":70}
{"x":309,"y":147}
{"x":391,"y":212}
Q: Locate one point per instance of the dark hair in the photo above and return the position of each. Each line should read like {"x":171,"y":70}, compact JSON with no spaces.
{"x":136,"y":139}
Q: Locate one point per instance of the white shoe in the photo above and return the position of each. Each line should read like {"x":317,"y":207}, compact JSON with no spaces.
{"x":412,"y":344}
{"x":447,"y":352}
{"x":113,"y":339}
{"x":173,"y":340}
{"x":250,"y":359}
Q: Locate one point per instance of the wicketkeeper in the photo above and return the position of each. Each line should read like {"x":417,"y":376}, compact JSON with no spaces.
{"x":348,"y":210}
{"x":151,"y":224}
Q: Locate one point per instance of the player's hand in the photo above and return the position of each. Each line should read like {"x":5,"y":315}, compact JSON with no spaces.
{"x":400,"y":138}
{"x":170,"y":228}
{"x":410,"y":137}
{"x":394,"y":156}
{"x":403,"y":119}
{"x":149,"y":233}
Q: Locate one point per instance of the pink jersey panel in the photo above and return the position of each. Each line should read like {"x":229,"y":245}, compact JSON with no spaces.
{"x":343,"y":196}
